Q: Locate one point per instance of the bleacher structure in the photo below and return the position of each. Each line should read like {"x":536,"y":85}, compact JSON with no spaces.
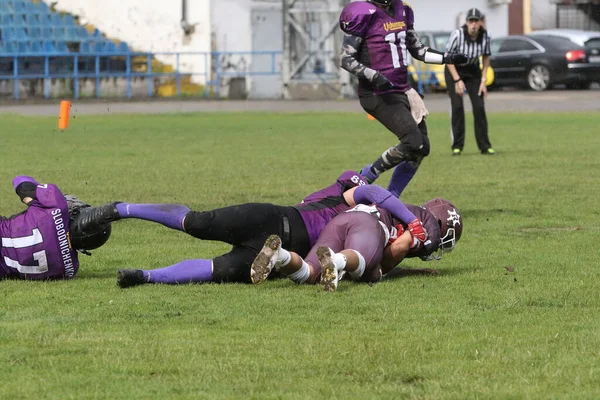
{"x":38,"y":43}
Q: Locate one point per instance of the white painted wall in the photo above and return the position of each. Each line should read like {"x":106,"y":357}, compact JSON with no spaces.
{"x":440,"y":15}
{"x":150,"y":25}
{"x":543,"y":14}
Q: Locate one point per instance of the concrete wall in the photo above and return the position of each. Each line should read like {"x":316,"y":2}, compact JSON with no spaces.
{"x":149,"y":25}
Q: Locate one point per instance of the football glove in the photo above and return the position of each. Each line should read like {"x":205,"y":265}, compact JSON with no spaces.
{"x":418,"y":233}
{"x":381,"y":82}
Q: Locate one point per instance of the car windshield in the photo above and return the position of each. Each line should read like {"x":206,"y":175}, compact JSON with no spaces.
{"x":440,"y":40}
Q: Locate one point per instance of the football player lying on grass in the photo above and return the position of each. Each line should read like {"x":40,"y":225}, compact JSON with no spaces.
{"x":41,"y":242}
{"x":367,"y":242}
{"x":247,"y":226}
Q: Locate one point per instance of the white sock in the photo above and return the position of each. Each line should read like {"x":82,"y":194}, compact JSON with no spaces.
{"x":358,"y":272}
{"x":302,"y":274}
{"x":339,"y":260}
{"x":283,"y":257}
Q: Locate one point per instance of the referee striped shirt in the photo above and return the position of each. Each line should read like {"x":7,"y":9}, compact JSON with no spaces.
{"x":461,"y":42}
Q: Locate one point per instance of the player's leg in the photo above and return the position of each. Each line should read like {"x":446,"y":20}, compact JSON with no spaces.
{"x":479,"y":115}
{"x":457,"y":116}
{"x":288,"y":263}
{"x":187,"y":271}
{"x":169,"y":215}
{"x":393,"y":111}
{"x":404,"y":172}
{"x":363,"y":249}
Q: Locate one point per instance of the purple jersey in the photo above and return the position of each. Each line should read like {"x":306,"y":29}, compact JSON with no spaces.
{"x":318,"y":208}
{"x":384,"y":41}
{"x":35,"y":243}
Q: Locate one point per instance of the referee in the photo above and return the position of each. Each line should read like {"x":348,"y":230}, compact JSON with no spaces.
{"x":471,"y":39}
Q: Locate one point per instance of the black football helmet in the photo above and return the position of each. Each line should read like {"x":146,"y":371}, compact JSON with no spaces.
{"x":82,"y":238}
{"x":450,"y":220}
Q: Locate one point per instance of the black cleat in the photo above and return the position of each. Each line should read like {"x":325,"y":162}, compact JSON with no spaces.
{"x":130,"y":277}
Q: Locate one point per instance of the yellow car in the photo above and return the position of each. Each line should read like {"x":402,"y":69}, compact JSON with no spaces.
{"x":433,"y":74}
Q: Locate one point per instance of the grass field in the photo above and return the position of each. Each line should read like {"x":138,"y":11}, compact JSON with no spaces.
{"x":475,"y":331}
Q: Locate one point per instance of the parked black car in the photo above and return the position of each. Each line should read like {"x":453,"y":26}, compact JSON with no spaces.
{"x":540,"y":61}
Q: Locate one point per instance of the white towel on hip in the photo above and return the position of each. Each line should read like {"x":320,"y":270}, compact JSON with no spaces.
{"x":417,"y":106}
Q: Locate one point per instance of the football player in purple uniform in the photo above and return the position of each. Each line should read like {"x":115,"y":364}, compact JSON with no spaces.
{"x":247,"y":226}
{"x":366,"y":242}
{"x":41,"y":242}
{"x":379,"y":34}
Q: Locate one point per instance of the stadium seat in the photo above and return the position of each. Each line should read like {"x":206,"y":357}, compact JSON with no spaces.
{"x":35,"y":33}
{"x":68,"y":20}
{"x":85,"y":47}
{"x":31,"y":19}
{"x":71,"y":34}
{"x":45,"y":19}
{"x":36,"y":47}
{"x":2,"y":48}
{"x":19,"y":21}
{"x":42,"y":7}
{"x":49,"y":47}
{"x":59,"y":33}
{"x":11,"y":47}
{"x":19,"y":7}
{"x":61,"y":47}
{"x":56,"y":20}
{"x":47,"y":33}
{"x":99,"y":47}
{"x":8,"y":34}
{"x":21,"y":34}
{"x":110,"y":47}
{"x":24,"y":47}
{"x":6,"y":20}
{"x":123,"y":47}
{"x":82,"y":33}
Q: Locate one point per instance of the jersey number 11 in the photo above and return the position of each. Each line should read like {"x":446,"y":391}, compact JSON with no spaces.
{"x":391,"y":39}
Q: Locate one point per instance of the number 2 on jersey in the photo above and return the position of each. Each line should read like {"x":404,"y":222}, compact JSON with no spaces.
{"x":391,"y":39}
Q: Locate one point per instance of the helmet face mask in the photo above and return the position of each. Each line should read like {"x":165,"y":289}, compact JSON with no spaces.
{"x":451,"y":224}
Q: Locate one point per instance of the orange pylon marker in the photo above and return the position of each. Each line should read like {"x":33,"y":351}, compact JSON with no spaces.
{"x":372,"y":118}
{"x":63,"y":116}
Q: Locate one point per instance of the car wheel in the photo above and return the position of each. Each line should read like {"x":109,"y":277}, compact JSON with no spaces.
{"x":538,"y":78}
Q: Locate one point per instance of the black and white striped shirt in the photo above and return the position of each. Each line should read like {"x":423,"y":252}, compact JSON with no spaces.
{"x":461,"y":42}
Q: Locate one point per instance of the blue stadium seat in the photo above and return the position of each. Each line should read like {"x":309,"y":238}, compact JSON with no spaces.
{"x":85,"y":47}
{"x":8,"y":34}
{"x":45,"y":19}
{"x":100,"y":47}
{"x":31,"y":19}
{"x":24,"y":47}
{"x":18,"y":20}
{"x":48,"y":32}
{"x":56,"y":20}
{"x":42,"y":8}
{"x":35,"y":33}
{"x":110,"y":47}
{"x":36,"y":47}
{"x":19,"y":7}
{"x":2,"y":48}
{"x":11,"y":47}
{"x":6,"y":20}
{"x":71,"y":34}
{"x":49,"y":47}
{"x":59,"y":33}
{"x":31,"y":7}
{"x":123,"y":47}
{"x":82,"y":33}
{"x":21,"y":34}
{"x":68,"y":20}
{"x":61,"y":47}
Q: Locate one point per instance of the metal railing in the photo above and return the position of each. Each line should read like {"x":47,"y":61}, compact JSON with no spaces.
{"x":97,"y":67}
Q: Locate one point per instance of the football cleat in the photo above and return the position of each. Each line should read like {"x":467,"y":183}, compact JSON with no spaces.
{"x":456,"y":152}
{"x":266,"y":260}
{"x":489,"y":152}
{"x":130,"y":277}
{"x":329,"y":272}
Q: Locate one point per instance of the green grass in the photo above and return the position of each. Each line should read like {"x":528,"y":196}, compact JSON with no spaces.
{"x":475,"y":331}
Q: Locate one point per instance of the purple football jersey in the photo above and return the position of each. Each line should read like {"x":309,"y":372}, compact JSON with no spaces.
{"x":35,"y":243}
{"x":318,"y":208}
{"x":384,"y":41}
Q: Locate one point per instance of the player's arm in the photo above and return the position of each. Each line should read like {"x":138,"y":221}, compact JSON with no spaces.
{"x":25,"y":187}
{"x":373,"y":194}
{"x":348,"y":58}
{"x":394,"y":253}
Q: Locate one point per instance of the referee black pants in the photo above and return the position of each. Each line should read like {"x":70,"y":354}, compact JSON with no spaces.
{"x":472,"y":82}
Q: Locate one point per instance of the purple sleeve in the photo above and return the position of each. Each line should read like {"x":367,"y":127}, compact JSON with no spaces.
{"x":355,"y":18}
{"x":376,"y":194}
{"x":22,"y":178}
{"x":349,"y":179}
{"x":50,"y":196}
{"x":410,"y":16}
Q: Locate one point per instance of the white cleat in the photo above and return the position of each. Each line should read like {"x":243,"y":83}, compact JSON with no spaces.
{"x":265,"y":260}
{"x":329,"y":272}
